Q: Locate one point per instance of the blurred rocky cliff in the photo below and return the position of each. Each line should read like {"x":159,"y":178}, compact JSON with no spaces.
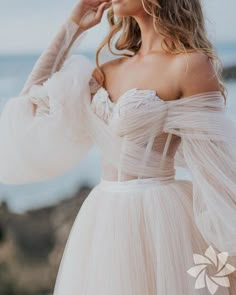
{"x":229,"y":72}
{"x":31,"y":245}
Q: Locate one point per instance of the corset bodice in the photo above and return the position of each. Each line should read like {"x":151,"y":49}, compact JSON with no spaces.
{"x":128,"y":118}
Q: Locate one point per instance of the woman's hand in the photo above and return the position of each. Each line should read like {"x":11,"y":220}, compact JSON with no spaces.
{"x":88,"y":13}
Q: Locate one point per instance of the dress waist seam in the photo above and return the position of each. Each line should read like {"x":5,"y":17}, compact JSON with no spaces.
{"x":137,"y":183}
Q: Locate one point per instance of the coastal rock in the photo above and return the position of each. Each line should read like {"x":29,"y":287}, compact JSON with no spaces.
{"x":229,"y":73}
{"x":32,"y":244}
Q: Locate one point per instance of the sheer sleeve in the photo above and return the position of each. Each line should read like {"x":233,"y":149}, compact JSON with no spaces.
{"x":208,"y":143}
{"x":43,"y":131}
{"x":53,"y":57}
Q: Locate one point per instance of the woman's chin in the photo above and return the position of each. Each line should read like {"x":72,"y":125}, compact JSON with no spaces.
{"x":127,"y":7}
{"x":119,"y":11}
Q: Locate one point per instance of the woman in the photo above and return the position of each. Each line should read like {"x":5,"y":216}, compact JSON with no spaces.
{"x":159,"y":106}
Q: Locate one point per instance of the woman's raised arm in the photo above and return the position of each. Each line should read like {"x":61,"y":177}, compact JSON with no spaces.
{"x":85,"y":14}
{"x":37,"y":145}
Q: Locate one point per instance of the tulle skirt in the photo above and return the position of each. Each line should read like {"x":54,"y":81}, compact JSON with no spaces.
{"x":134,"y":237}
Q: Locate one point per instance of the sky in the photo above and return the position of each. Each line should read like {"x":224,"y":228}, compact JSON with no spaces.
{"x":28,"y":26}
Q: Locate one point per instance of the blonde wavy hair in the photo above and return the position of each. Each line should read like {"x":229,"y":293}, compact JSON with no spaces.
{"x":181,"y":22}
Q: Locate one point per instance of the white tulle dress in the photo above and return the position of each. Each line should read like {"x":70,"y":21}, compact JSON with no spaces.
{"x":138,"y":229}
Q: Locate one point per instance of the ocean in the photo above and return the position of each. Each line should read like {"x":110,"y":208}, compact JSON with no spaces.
{"x":14,"y":70}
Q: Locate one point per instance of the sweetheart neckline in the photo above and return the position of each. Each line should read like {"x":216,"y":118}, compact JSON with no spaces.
{"x":115,"y":103}
{"x":127,"y":92}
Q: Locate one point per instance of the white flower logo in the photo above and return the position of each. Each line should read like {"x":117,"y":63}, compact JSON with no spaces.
{"x":201,"y":270}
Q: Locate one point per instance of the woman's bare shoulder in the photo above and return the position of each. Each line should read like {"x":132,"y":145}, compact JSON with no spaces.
{"x":107,"y":67}
{"x":195,"y":73}
{"x":111,"y":64}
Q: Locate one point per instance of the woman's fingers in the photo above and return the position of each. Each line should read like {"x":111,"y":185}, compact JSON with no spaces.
{"x":101,"y":10}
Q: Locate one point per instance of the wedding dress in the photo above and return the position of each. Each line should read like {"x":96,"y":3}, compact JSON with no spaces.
{"x":138,"y":229}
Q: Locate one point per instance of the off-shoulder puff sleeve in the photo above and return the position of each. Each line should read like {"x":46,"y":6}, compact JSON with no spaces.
{"x":36,"y":146}
{"x":208,"y":143}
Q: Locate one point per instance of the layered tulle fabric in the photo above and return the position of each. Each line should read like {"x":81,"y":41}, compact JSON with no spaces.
{"x":209,"y":147}
{"x":43,"y":132}
{"x":134,"y":237}
{"x":52,"y":58}
{"x":42,"y":144}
